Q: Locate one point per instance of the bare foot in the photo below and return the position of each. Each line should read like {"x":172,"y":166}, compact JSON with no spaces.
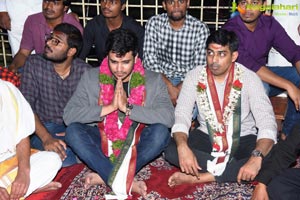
{"x":92,"y":179}
{"x":140,"y":187}
{"x":49,"y":187}
{"x":179,"y":178}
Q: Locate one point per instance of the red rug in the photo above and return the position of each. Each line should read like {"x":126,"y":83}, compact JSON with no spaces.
{"x":155,"y":175}
{"x":65,"y":176}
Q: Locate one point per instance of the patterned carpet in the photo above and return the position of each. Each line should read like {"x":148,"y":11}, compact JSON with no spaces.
{"x":156,"y":175}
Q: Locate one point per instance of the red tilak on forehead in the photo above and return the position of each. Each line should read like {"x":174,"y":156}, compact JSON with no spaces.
{"x":216,"y":46}
{"x":58,"y":33}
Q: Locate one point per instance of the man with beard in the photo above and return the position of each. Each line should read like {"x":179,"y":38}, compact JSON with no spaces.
{"x":38,"y":26}
{"x":48,"y":82}
{"x":258,"y":33}
{"x":174,"y":44}
{"x":97,"y":29}
{"x":118,"y":117}
{"x":237,"y":123}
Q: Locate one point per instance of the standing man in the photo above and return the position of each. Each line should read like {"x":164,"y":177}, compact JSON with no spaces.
{"x":38,"y":26}
{"x":119,"y":117}
{"x":257,"y":34}
{"x":237,"y":123}
{"x":97,"y":29}
{"x":174,"y":44}
{"x":13,"y":14}
{"x":48,"y":82}
{"x":21,"y":173}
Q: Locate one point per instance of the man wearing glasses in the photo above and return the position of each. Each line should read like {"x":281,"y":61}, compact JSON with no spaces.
{"x":48,"y":82}
{"x":258,"y":33}
{"x":38,"y":25}
{"x":174,"y":44}
{"x":97,"y":29}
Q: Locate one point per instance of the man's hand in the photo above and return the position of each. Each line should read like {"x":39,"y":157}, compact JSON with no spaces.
{"x":5,"y":21}
{"x":294,"y":94}
{"x":249,"y":170}
{"x":187,"y":161}
{"x":260,"y":192}
{"x":20,"y":185}
{"x":56,"y":145}
{"x":174,"y":93}
{"x":3,"y":194}
{"x":122,"y":98}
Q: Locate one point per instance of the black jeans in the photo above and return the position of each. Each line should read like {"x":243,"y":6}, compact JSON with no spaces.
{"x":286,"y":186}
{"x":200,"y":144}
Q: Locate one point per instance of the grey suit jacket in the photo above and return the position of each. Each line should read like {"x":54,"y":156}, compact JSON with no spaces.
{"x":83,"y":106}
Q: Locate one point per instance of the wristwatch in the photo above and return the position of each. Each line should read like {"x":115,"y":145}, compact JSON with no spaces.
{"x":257,"y":153}
{"x":128,"y":109}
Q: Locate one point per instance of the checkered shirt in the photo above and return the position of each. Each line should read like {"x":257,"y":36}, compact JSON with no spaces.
{"x":10,"y":76}
{"x":45,"y":91}
{"x":174,"y":52}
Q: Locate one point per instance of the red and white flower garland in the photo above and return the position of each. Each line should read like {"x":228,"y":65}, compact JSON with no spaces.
{"x":136,"y":97}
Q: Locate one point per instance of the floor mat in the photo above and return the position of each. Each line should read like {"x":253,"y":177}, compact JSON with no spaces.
{"x":156,"y":175}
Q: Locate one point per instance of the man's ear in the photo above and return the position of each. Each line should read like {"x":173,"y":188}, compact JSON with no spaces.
{"x":66,"y":8}
{"x":123,"y":6}
{"x":72,"y":52}
{"x":235,"y":55}
{"x":164,"y":5}
{"x":188,"y":4}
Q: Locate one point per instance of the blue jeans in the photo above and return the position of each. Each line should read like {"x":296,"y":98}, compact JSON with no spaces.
{"x":292,"y":115}
{"x":85,"y":141}
{"x":175,"y":81}
{"x":54,"y":128}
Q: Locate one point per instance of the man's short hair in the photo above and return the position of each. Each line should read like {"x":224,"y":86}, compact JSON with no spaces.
{"x":224,"y":37}
{"x":123,"y":1}
{"x":244,"y":0}
{"x":67,"y":2}
{"x":74,"y":37}
{"x":122,"y":41}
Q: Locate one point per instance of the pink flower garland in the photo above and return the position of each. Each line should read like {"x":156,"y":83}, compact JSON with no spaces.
{"x":111,"y":129}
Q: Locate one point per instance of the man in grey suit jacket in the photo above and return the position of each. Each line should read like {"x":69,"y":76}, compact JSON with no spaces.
{"x":119,"y":117}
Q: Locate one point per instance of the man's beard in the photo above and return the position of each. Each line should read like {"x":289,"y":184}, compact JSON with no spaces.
{"x":62,"y":58}
{"x":177,"y":18}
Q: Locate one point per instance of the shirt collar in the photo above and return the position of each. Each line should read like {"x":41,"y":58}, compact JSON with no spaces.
{"x":259,"y":24}
{"x":187,"y":21}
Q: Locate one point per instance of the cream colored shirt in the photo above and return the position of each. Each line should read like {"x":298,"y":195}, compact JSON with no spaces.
{"x":16,"y":119}
{"x":257,"y":115}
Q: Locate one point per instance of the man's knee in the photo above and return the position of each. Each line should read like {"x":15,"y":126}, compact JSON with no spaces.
{"x":73,"y":132}
{"x":171,"y":154}
{"x":160,"y":135}
{"x":56,"y":162}
{"x":51,"y":160}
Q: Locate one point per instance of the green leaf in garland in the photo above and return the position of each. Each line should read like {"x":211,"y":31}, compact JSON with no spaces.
{"x":112,"y":158}
{"x":136,"y":80}
{"x":118,"y":144}
{"x":105,"y":79}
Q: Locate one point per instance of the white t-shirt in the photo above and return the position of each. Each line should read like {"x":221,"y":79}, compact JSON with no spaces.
{"x":16,"y":119}
{"x":289,"y":18}
{"x":18,"y":11}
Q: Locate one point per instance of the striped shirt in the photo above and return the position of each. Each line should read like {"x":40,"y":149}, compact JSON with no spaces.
{"x":45,"y":90}
{"x":174,"y":52}
{"x":257,"y":116}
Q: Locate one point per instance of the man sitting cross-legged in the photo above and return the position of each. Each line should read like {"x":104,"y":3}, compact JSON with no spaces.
{"x":48,"y":82}
{"x":237,"y":123}
{"x":21,"y":173}
{"x":125,"y":126}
